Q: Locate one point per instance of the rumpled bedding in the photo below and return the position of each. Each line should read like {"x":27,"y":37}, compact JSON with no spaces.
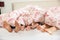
{"x":30,"y":14}
{"x":52,"y":16}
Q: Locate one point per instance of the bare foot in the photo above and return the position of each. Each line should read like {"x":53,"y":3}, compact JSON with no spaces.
{"x":41,"y":28}
{"x":7,"y":26}
{"x":22,"y":28}
{"x":34,"y":25}
{"x":51,"y":30}
{"x":17,"y":27}
{"x":28,"y":28}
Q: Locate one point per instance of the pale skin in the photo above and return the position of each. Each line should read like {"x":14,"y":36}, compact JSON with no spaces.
{"x":28,"y":28}
{"x":7,"y":26}
{"x":46,"y":28}
{"x":19,"y":27}
{"x":32,"y":26}
{"x":50,"y":30}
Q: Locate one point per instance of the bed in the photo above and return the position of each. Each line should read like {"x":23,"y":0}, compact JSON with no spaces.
{"x":32,"y":34}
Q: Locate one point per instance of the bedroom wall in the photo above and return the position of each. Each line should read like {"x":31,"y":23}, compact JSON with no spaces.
{"x":8,"y":4}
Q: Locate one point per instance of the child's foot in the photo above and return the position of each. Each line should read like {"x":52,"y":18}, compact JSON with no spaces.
{"x":50,"y":30}
{"x":17,"y":27}
{"x":22,"y":28}
{"x":34,"y":25}
{"x":28,"y":28}
{"x":7,"y":26}
{"x":41,"y":28}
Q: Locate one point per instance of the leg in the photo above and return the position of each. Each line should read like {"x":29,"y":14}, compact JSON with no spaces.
{"x":17,"y":27}
{"x":7,"y":26}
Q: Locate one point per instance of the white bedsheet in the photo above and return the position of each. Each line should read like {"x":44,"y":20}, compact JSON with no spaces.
{"x":28,"y":35}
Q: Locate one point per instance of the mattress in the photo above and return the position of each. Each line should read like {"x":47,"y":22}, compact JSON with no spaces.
{"x":28,"y":35}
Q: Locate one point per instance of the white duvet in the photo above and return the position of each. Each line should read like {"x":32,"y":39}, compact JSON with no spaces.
{"x":30,"y":14}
